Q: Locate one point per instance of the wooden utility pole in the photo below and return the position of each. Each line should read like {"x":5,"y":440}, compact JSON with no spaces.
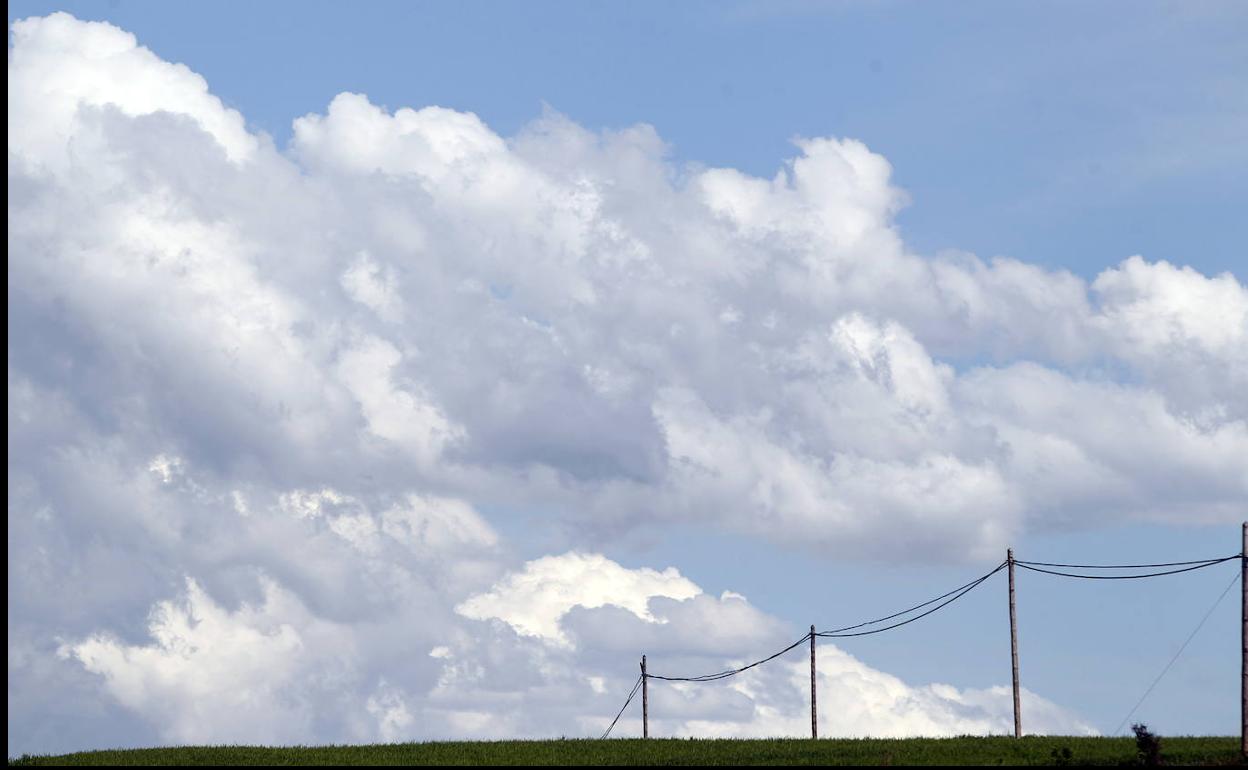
{"x":1018,"y":716}
{"x":1243,"y":643}
{"x":814,"y":718}
{"x":645,"y":701}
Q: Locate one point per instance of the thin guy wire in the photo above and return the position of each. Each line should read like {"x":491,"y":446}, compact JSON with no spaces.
{"x":1128,"y":577}
{"x":970,"y":587}
{"x":617,"y":716}
{"x":1190,"y":637}
{"x":912,"y":609}
{"x":1119,"y":566}
{"x":731,"y":671}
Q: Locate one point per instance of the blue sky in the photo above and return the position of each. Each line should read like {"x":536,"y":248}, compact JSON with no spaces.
{"x":1066,"y":134}
{"x":367,"y":344}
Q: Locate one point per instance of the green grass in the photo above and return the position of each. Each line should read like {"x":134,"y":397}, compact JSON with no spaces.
{"x":998,"y":750}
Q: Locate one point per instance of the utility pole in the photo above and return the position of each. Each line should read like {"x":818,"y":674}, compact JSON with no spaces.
{"x":1243,"y":643}
{"x":645,"y":701}
{"x":814,"y":720}
{"x":1018,"y":716}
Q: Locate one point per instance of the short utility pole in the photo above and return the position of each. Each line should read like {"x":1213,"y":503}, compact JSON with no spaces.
{"x":645,"y":701}
{"x":1018,"y":716}
{"x":814,"y":720}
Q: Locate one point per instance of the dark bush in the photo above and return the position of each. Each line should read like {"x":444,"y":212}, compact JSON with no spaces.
{"x":1147,"y":745}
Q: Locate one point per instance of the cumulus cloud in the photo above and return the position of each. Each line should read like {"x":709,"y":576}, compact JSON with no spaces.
{"x":857,"y":701}
{"x":570,"y":306}
{"x":534,"y":600}
{"x":367,"y":283}
{"x":270,"y":670}
{"x":1185,"y":332}
{"x":209,"y":672}
{"x":687,"y":635}
{"x":61,"y":68}
{"x":299,"y":377}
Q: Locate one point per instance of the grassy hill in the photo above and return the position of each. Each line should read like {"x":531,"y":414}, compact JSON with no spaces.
{"x":996,"y":750}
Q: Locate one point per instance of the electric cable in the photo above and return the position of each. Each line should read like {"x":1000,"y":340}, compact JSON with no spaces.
{"x":1200,"y":565}
{"x":974,"y":582}
{"x":1120,"y":566}
{"x":731,"y":671}
{"x":948,"y":597}
{"x":957,"y":595}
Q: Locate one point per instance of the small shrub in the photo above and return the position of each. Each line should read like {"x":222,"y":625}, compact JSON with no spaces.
{"x":1062,"y":757}
{"x":1147,"y":745}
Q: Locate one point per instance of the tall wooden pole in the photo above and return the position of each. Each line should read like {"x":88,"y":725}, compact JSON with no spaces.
{"x":645,"y":700}
{"x":1018,"y":716}
{"x":814,"y":719}
{"x":1243,"y":643}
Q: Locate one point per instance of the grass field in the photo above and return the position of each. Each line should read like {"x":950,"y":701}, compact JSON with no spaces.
{"x":999,"y":750}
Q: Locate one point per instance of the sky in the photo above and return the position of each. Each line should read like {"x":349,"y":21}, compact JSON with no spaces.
{"x":406,"y":371}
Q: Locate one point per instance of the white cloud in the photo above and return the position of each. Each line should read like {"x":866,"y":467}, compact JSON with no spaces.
{"x":407,"y":319}
{"x":1160,"y":306}
{"x":1183,"y":331}
{"x":307,"y":504}
{"x":210,"y":673}
{"x":1075,"y":446}
{"x":534,"y":600}
{"x":771,"y":700}
{"x":272,"y":671}
{"x":390,"y":709}
{"x":856,"y":701}
{"x":437,"y":524}
{"x":357,"y":136}
{"x":401,"y":415}
{"x":836,"y":498}
{"x":369,"y":284}
{"x":59,"y":67}
{"x":165,"y":467}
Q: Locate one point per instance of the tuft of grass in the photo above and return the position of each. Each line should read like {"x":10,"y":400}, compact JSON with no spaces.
{"x":992,"y":750}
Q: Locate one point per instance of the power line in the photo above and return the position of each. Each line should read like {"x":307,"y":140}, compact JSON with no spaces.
{"x":1200,"y":565}
{"x":961,"y":591}
{"x":945,"y":600}
{"x":1122,"y":566}
{"x":631,"y":695}
{"x":1183,"y":647}
{"x":948,"y":597}
{"x":729,"y":672}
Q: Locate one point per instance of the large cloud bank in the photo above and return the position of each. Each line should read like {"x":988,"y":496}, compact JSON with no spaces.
{"x":259,"y":399}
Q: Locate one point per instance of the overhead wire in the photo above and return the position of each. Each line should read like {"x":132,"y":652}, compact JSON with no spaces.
{"x":948,"y":598}
{"x":942,"y":602}
{"x":1121,"y":566}
{"x":1199,"y":565}
{"x":731,"y":671}
{"x":964,"y":588}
